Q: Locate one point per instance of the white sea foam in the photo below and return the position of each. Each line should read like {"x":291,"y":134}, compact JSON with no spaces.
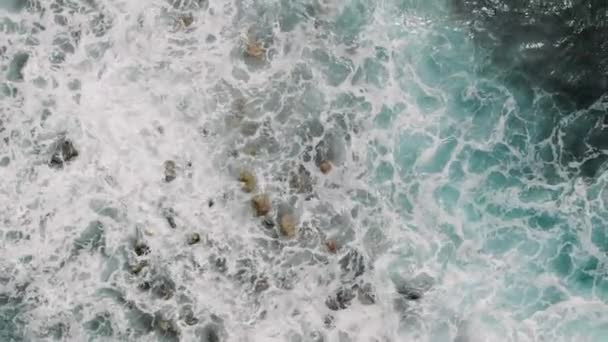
{"x":438,"y":196}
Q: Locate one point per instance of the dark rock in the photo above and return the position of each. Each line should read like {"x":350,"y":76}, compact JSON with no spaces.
{"x":352,"y":264}
{"x":220,"y":264}
{"x":144,"y":286}
{"x":261,"y":285}
{"x":301,"y":180}
{"x":268,"y":222}
{"x":170,"y":171}
{"x":163,"y":287}
{"x":187,"y":315}
{"x":14,"y":235}
{"x":211,"y":203}
{"x":341,"y":300}
{"x":141,"y":248}
{"x":329,"y":321}
{"x":169,"y":215}
{"x":138,"y":267}
{"x":64,"y":152}
{"x":194,"y":238}
{"x":410,"y":293}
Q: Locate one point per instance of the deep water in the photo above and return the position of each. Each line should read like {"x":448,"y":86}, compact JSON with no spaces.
{"x":310,"y":170}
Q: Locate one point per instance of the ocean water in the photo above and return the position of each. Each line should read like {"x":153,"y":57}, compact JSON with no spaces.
{"x":453,"y":210}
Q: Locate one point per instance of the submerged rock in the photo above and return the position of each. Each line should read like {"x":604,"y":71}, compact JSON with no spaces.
{"x":261,"y":204}
{"x":254,"y":48}
{"x":301,"y":181}
{"x":248,"y":180}
{"x":287,"y":225}
{"x":64,"y":152}
{"x":166,"y":327}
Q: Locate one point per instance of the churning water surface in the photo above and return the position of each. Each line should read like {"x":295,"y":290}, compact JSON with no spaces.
{"x":267,"y":170}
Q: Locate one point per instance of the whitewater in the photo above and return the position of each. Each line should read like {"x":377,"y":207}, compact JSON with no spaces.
{"x":271,"y":170}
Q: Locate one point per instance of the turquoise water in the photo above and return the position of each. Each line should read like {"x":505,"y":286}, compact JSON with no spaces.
{"x":453,"y":180}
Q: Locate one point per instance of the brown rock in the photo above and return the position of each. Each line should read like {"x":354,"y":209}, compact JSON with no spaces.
{"x":261,"y":204}
{"x":331,"y":245}
{"x":249,"y":181}
{"x":325,"y":167}
{"x":287,"y":225}
{"x":186,"y":20}
{"x":254,"y":48}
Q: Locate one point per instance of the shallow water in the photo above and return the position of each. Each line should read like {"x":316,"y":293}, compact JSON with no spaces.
{"x":453,"y":203}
